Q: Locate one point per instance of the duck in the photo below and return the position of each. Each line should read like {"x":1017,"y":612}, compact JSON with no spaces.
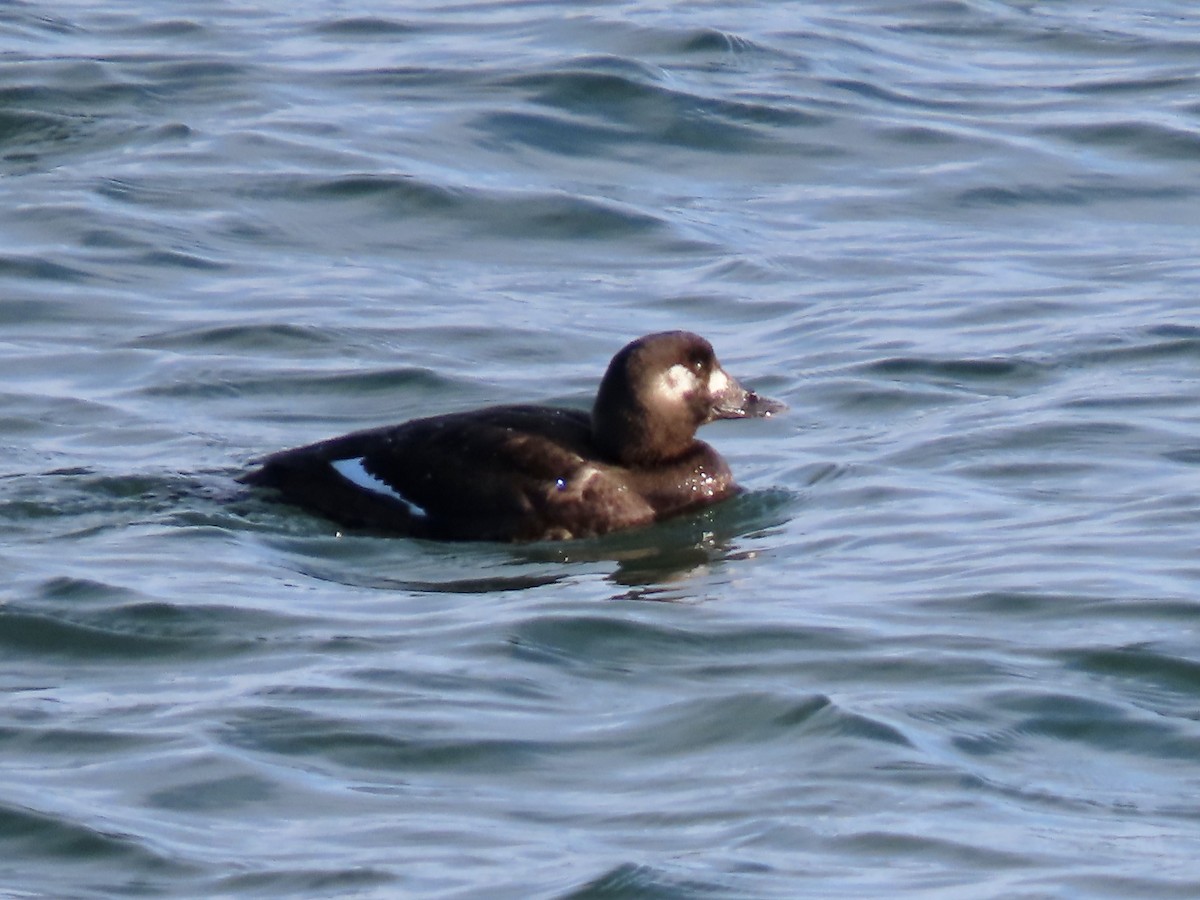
{"x":522,"y":473}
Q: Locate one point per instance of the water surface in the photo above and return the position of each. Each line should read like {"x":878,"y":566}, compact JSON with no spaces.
{"x":944,"y":646}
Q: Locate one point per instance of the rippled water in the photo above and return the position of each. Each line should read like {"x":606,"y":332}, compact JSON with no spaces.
{"x":946,"y":645}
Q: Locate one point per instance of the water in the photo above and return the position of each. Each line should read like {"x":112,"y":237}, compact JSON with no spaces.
{"x":944,"y":647}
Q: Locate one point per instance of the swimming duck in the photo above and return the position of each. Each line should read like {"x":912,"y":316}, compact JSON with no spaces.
{"x":531,"y":473}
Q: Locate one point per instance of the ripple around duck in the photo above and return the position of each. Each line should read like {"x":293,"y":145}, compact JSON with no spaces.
{"x":598,"y":640}
{"x":1076,"y":720}
{"x":616,"y":97}
{"x":75,"y":498}
{"x":255,"y":339}
{"x":1145,"y":139}
{"x":648,"y":560}
{"x":419,"y":742}
{"x":70,"y":128}
{"x":21,"y":129}
{"x":376,"y":747}
{"x":391,"y":382}
{"x":165,"y":28}
{"x":280,"y":881}
{"x":1165,"y":673}
{"x":28,"y":833}
{"x":497,"y":213}
{"x":73,"y":89}
{"x":636,"y":106}
{"x":619,"y":643}
{"x":486,"y":584}
{"x":959,"y":371}
{"x":30,"y":20}
{"x":711,"y":40}
{"x":745,"y":720}
{"x":1162,"y":342}
{"x":173,"y":76}
{"x":146,"y":631}
{"x":1021,"y":195}
{"x":71,"y":498}
{"x":38,"y":268}
{"x":650,"y":882}
{"x":366,"y":28}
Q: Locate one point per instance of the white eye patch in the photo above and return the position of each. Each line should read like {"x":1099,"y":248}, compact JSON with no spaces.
{"x":718,"y":382}
{"x":356,"y":473}
{"x":677,"y":380}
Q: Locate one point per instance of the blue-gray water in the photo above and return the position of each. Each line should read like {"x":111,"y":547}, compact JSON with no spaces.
{"x":946,"y":646}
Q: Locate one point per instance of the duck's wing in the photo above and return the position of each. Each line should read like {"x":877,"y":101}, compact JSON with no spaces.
{"x":506,"y":473}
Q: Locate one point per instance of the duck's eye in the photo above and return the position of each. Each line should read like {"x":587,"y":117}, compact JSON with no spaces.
{"x":697,"y":364}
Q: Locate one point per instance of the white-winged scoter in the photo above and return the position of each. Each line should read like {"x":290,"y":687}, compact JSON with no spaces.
{"x":528,"y":473}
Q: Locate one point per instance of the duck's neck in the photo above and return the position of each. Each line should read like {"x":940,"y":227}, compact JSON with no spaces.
{"x":624,"y":433}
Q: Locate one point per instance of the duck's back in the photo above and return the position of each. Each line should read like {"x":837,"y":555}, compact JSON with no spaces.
{"x":504,"y":473}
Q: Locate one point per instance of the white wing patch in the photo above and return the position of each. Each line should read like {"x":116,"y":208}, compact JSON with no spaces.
{"x":356,"y":473}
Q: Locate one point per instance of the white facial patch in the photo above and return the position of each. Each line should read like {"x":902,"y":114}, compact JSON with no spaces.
{"x":677,"y":380}
{"x":356,"y":473}
{"x":718,"y":382}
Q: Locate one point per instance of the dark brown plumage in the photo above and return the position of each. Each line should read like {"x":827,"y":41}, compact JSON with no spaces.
{"x":523,"y":473}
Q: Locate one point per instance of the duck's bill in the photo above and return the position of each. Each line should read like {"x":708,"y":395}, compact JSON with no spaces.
{"x":735,"y":402}
{"x":755,"y":406}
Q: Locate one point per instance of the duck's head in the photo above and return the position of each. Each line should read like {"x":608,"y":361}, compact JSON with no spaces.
{"x":658,"y":390}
